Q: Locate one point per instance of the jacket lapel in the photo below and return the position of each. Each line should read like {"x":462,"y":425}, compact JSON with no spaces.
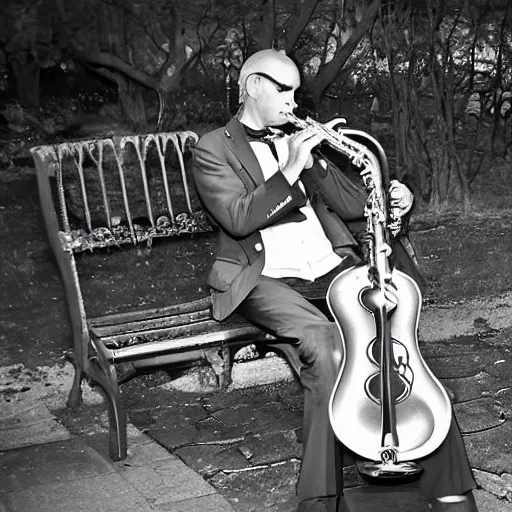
{"x":236,"y":140}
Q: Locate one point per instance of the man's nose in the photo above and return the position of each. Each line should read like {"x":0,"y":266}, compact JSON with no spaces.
{"x":291,"y":103}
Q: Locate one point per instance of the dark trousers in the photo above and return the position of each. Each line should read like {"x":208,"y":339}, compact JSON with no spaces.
{"x":312,"y":344}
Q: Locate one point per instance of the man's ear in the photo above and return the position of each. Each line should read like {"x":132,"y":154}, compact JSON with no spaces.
{"x":252,"y":86}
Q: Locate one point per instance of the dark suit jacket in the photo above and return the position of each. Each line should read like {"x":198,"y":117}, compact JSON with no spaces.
{"x":235,"y":194}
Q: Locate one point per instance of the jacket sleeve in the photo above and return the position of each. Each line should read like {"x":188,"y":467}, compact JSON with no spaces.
{"x":342,"y":192}
{"x":224,"y":189}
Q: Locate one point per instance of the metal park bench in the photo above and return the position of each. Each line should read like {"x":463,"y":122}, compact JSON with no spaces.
{"x":100,"y":197}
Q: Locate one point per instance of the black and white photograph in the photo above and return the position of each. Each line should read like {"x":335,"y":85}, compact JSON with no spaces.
{"x":256,"y":256}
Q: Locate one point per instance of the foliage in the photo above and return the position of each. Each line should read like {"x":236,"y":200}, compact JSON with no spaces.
{"x":156,"y":45}
{"x":175,"y":63}
{"x":436,"y":56}
{"x":28,"y":25}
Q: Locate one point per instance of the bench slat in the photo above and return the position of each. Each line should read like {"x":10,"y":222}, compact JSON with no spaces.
{"x":148,"y":325}
{"x":147,"y":314}
{"x":203,"y":341}
{"x":150,"y":335}
{"x":185,"y":329}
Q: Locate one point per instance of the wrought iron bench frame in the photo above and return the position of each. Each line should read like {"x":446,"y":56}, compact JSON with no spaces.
{"x":178,"y":333}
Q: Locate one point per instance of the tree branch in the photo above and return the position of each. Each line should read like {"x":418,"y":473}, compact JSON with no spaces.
{"x":329,"y":72}
{"x":301,"y":20}
{"x":110,"y":61}
{"x":265,"y":35}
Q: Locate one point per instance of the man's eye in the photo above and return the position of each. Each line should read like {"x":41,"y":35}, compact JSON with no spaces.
{"x":279,"y":88}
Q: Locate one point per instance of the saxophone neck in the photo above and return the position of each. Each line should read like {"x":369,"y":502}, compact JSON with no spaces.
{"x":355,"y":151}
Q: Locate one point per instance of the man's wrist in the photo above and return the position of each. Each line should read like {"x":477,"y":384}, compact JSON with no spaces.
{"x":290,"y":173}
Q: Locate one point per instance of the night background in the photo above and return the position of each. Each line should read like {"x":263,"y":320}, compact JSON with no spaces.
{"x":439,"y":72}
{"x":431,"y":80}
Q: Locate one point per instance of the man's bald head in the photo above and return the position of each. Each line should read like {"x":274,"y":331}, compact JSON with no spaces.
{"x":272,"y":63}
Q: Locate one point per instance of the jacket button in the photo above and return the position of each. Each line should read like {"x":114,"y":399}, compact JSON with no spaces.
{"x":258,"y":247}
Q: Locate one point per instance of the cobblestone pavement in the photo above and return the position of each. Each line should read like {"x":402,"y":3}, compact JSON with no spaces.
{"x":237,"y":450}
{"x":246,"y":443}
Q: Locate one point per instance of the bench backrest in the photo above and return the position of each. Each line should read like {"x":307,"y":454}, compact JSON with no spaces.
{"x":103,"y":193}
{"x":118,"y":190}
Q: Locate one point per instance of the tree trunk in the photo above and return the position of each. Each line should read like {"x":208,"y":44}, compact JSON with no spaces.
{"x":113,"y":32}
{"x":329,"y":72}
{"x":264,"y":36}
{"x":27,"y":71}
{"x":131,"y":104}
{"x":298,"y":22}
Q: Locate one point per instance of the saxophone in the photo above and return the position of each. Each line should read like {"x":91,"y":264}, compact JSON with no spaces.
{"x":386,"y":405}
{"x":366,"y":160}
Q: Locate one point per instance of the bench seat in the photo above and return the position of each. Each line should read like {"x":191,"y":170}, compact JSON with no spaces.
{"x":177,"y":328}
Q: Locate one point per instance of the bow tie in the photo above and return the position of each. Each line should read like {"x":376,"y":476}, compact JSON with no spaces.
{"x":265,"y":135}
{"x":259,"y":135}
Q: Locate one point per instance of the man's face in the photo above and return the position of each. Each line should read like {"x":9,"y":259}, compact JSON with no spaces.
{"x":276,"y":93}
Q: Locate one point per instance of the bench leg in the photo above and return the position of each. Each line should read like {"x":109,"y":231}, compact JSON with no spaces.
{"x":102,"y":372}
{"x":219,"y":359}
{"x":75,"y":395}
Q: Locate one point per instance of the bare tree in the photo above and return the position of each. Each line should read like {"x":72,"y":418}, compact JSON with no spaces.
{"x":264,"y":34}
{"x":138,"y":46}
{"x":28,"y":39}
{"x":431,"y":68}
{"x":297,"y":22}
{"x":357,"y":18}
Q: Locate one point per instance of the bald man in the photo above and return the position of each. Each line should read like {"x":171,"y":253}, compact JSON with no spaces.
{"x":286,"y":218}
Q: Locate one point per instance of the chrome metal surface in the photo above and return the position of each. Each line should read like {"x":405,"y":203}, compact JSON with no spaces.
{"x":424,"y":417}
{"x":383,"y":470}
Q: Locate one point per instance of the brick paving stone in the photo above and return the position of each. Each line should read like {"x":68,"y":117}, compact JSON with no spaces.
{"x":105,"y":493}
{"x":476,"y":386}
{"x":500,"y":367}
{"x":462,"y":365}
{"x":269,"y":447}
{"x":499,"y":485}
{"x":271,"y":488}
{"x":171,"y":426}
{"x":48,"y":464}
{"x":167,"y":481}
{"x":213,"y":429}
{"x":177,"y":414}
{"x":256,"y":419}
{"x":212,"y":503}
{"x":209,"y":459}
{"x":29,"y":425}
{"x":351,"y":477}
{"x":257,"y":396}
{"x":504,"y":397}
{"x":479,"y":414}
{"x":486,"y":502}
{"x":454,"y":347}
{"x":491,"y":450}
{"x":144,"y":455}
{"x":287,"y":393}
{"x":208,"y":430}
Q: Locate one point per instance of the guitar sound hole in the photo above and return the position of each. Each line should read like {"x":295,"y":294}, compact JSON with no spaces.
{"x":400,"y":375}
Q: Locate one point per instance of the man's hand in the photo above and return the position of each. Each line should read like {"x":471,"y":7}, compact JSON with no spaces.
{"x":300,"y":145}
{"x":400,"y":197}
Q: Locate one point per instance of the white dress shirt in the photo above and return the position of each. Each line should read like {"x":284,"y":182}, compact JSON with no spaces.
{"x":293,"y":249}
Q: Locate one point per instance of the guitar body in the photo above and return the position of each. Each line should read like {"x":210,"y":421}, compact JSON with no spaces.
{"x":422,"y":406}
